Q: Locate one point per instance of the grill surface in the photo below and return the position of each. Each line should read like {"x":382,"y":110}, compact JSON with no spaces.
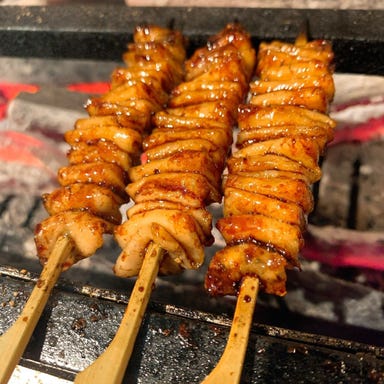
{"x":301,"y":338}
{"x":101,"y":32}
{"x":178,"y":345}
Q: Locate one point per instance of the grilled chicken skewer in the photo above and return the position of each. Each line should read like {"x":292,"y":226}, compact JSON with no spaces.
{"x":184,"y":158}
{"x":14,"y":341}
{"x":110,"y":366}
{"x":284,"y":130}
{"x":103,"y":148}
{"x":106,"y":144}
{"x":169,"y":226}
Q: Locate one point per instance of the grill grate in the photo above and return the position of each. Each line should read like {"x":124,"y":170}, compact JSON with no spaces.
{"x":308,"y":328}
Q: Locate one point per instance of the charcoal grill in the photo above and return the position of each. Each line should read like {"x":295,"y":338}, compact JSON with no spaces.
{"x":184,"y":331}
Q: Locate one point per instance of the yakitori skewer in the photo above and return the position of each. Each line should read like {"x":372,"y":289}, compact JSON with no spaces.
{"x":16,"y":338}
{"x":282,"y":132}
{"x":229,"y":368}
{"x":103,"y":148}
{"x":110,"y":366}
{"x":179,"y":176}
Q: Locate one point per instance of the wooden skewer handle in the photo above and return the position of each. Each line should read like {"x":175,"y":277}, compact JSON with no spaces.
{"x":110,"y":366}
{"x":14,"y":341}
{"x":229,"y":368}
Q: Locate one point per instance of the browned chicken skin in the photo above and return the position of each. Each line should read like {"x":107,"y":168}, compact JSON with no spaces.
{"x":85,"y":229}
{"x":240,"y":201}
{"x":232,"y":263}
{"x":106,"y":144}
{"x":99,"y":152}
{"x":184,"y":158}
{"x":283,"y":131}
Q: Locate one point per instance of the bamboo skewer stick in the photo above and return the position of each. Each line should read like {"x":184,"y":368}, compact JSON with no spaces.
{"x":302,"y":37}
{"x":110,"y":366}
{"x":14,"y":341}
{"x":230,"y":366}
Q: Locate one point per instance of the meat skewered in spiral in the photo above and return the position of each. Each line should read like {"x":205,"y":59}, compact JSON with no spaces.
{"x":184,"y":157}
{"x":283,"y":131}
{"x":105,"y":145}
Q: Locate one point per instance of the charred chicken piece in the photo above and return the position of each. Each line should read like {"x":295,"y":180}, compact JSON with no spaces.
{"x":232,"y":263}
{"x":99,"y":152}
{"x":219,"y":138}
{"x":232,"y":37}
{"x":311,"y":98}
{"x":191,"y":189}
{"x":324,"y":82}
{"x":85,"y":229}
{"x":184,"y":240}
{"x":240,"y":202}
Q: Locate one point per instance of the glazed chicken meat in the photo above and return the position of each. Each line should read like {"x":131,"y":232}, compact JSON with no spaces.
{"x":283,"y":132}
{"x":105,"y":145}
{"x":162,"y":139}
{"x":184,"y":158}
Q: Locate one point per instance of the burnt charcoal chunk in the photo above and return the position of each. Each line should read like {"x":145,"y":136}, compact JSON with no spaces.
{"x":336,"y":187}
{"x":370,"y":207}
{"x":50,"y":111}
